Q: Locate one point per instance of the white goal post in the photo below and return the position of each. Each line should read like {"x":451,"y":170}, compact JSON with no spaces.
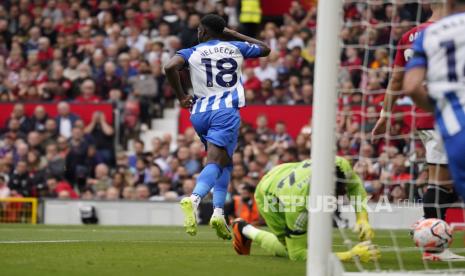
{"x":323,"y":137}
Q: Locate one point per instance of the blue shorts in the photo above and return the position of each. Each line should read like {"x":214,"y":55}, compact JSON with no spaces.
{"x":219,"y":127}
{"x":455,"y":148}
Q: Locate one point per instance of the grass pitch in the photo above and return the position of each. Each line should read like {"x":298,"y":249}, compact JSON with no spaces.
{"x":102,"y":250}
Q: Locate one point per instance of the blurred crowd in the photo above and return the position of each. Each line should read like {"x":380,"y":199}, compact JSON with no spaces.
{"x":114,"y":51}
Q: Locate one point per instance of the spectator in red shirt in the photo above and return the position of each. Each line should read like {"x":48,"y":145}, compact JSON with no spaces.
{"x":353,"y":61}
{"x":345,"y":147}
{"x":87,"y":93}
{"x":400,"y":176}
{"x":58,"y":187}
{"x":37,"y":74}
{"x":353,"y":64}
{"x":45,"y":51}
{"x":252,"y":81}
{"x":298,"y":60}
{"x":15,"y":60}
{"x":84,"y":38}
{"x":69,"y":24}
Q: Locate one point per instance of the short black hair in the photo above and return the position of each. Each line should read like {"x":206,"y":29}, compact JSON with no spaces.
{"x":213,"y":23}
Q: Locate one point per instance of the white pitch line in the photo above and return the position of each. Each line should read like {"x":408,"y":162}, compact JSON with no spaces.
{"x":53,"y":241}
{"x":93,"y":230}
{"x":123,"y":241}
{"x":116,"y":231}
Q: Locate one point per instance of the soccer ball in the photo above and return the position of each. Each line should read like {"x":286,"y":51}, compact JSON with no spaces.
{"x":432,"y":235}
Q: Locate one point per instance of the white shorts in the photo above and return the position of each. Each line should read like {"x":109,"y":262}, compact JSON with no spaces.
{"x":435,"y":152}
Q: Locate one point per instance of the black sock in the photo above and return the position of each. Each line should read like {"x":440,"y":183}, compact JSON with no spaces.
{"x":436,"y":201}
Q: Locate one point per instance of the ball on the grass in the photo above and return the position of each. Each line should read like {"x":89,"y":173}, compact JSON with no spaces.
{"x":432,"y":235}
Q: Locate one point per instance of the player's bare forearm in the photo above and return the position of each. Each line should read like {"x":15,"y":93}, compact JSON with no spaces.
{"x":175,"y":82}
{"x":265,"y":50}
{"x":393,"y":90}
{"x":172,"y":68}
{"x":413,"y":87}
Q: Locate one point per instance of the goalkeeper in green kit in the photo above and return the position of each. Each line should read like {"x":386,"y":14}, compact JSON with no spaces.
{"x":281,"y":199}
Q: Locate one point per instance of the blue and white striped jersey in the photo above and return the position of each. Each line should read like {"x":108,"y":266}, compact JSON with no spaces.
{"x":215,"y":69}
{"x":440,"y":48}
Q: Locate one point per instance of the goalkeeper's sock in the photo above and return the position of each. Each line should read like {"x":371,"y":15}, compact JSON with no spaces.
{"x":270,"y":243}
{"x":207,"y":179}
{"x":221,"y":188}
{"x":250,"y":231}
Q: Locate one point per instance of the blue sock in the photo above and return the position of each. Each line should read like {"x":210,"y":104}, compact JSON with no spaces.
{"x":221,"y":188}
{"x":207,"y":179}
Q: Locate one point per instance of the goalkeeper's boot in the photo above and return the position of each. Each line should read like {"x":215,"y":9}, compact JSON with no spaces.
{"x":218,"y":223}
{"x":190,"y":216}
{"x":240,"y":242}
{"x":444,"y":256}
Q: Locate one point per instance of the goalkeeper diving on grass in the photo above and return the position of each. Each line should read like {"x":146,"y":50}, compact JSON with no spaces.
{"x":287,"y":221}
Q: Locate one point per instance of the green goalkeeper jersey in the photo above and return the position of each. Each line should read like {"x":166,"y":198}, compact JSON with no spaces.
{"x":281,"y":199}
{"x":284,"y":190}
{"x":293,"y":179}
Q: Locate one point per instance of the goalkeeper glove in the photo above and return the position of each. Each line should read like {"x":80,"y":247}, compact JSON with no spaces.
{"x":363,"y":227}
{"x":364,"y":251}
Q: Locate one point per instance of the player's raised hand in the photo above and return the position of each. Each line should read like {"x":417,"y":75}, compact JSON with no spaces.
{"x":187,"y":101}
{"x":235,"y":35}
{"x":228,"y":31}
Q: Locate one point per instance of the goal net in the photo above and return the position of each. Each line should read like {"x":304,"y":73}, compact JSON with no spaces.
{"x":393,"y":164}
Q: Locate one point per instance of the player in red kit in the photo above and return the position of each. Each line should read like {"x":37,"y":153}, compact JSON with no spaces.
{"x":440,"y":193}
